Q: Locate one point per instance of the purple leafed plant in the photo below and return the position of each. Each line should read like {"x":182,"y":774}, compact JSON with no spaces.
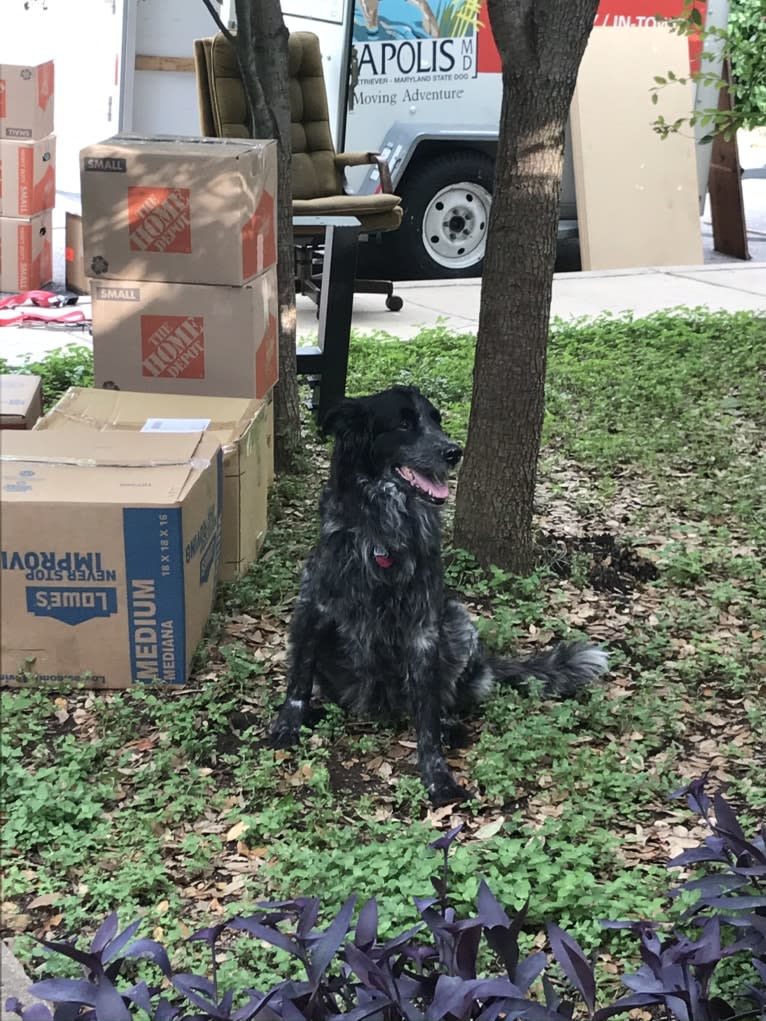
{"x":430,"y":972}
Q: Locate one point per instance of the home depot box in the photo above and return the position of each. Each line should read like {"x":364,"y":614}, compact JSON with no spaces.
{"x":26,"y":100}
{"x":27,"y":176}
{"x":74,"y":266}
{"x":187,"y":210}
{"x":25,"y":252}
{"x":186,"y":338}
{"x":239,"y":425}
{"x":20,"y":400}
{"x":110,"y":550}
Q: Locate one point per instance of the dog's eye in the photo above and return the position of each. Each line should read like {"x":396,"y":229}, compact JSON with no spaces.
{"x":407,"y":420}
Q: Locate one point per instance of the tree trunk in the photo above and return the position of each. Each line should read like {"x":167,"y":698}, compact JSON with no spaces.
{"x":261,"y":46}
{"x":541,"y":43}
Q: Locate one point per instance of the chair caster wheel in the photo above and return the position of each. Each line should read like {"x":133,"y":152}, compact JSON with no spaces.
{"x":394,"y":303}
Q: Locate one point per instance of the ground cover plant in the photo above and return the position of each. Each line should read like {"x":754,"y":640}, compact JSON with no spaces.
{"x":432,"y":969}
{"x":169,"y":805}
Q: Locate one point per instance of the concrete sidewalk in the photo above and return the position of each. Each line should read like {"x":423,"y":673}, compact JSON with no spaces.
{"x":732,"y":286}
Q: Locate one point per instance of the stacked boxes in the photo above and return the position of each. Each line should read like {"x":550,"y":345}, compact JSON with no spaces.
{"x":179,"y":238}
{"x":124,"y":504}
{"x":27,"y":175}
{"x":240,"y":425}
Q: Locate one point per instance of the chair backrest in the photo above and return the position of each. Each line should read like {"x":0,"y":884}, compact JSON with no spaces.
{"x":224,"y":111}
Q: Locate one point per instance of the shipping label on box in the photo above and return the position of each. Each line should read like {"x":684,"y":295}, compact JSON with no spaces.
{"x":26,"y":100}
{"x":27,"y":176}
{"x":240,"y":426}
{"x":20,"y":400}
{"x":25,"y":252}
{"x":110,"y":554}
{"x":186,"y":338}
{"x":185,"y":210}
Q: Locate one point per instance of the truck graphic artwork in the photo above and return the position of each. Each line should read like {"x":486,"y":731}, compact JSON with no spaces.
{"x":415,"y":19}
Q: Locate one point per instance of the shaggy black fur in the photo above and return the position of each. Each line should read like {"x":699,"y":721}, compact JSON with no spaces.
{"x":373,"y":626}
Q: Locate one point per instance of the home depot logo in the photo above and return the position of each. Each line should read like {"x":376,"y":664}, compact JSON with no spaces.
{"x":267,"y":360}
{"x":44,"y":84}
{"x":259,"y":239}
{"x":159,"y":220}
{"x":34,"y":195}
{"x":173,"y":347}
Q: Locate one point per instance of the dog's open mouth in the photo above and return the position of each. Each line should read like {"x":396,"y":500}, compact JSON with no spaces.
{"x":436,"y":492}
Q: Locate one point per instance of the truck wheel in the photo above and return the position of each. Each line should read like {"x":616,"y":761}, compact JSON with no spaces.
{"x":446,"y":212}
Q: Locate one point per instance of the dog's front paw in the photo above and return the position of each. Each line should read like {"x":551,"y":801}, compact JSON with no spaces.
{"x":286,"y":729}
{"x":444,"y":789}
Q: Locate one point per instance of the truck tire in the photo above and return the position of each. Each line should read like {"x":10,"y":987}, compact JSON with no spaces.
{"x":446,"y":204}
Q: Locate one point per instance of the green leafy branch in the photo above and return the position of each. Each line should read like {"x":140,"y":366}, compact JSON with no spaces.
{"x":743,"y":45}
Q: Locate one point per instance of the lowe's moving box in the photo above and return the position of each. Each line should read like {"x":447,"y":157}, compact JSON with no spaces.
{"x":110,"y":553}
{"x":240,"y":426}
{"x":20,"y":400}
{"x":27,"y":176}
{"x":26,"y":100}
{"x":186,"y":210}
{"x":174,"y":338}
{"x":26,"y":261}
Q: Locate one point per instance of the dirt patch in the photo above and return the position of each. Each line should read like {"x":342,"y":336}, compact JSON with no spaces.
{"x":608,"y":564}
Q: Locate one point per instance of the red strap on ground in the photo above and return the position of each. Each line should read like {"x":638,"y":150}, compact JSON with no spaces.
{"x":41,"y":300}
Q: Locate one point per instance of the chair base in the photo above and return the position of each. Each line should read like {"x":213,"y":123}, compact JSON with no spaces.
{"x":308,"y":279}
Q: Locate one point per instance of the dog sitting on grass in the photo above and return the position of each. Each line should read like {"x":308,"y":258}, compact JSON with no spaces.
{"x":374,"y":628}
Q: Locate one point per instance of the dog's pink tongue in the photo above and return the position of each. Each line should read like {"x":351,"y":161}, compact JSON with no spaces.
{"x":438,"y":490}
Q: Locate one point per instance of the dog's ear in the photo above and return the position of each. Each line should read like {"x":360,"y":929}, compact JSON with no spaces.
{"x":344,"y":418}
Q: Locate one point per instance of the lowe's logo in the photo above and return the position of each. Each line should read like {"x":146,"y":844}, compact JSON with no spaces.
{"x":71,"y":605}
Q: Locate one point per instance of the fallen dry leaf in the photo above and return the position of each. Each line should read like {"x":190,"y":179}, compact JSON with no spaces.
{"x":238,"y":830}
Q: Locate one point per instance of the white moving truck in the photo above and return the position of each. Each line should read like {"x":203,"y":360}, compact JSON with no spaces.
{"x":418,"y":80}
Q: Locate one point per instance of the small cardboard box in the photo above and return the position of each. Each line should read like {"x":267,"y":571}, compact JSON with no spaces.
{"x":240,"y":426}
{"x":26,"y":100}
{"x":76,"y":280}
{"x":27,"y":176}
{"x":186,"y":338}
{"x":185,"y":210}
{"x":25,"y":252}
{"x":21,"y":401}
{"x":110,"y":552}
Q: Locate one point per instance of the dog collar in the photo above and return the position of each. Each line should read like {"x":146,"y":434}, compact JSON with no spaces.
{"x":382,"y":558}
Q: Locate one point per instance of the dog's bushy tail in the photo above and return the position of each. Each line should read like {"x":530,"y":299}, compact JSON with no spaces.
{"x":564,"y":670}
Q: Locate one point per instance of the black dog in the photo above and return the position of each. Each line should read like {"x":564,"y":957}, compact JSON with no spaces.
{"x":373,"y":626}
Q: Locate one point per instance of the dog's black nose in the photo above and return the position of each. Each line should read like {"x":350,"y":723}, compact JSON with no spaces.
{"x":452,"y":454}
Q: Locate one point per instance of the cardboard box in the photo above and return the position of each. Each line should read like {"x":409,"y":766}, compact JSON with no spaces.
{"x":76,"y":280}
{"x":186,"y":338}
{"x":21,"y":402}
{"x":269,"y":439}
{"x":25,"y":252}
{"x":27,"y":176}
{"x":26,"y":100}
{"x":110,"y":551}
{"x":240,"y":426}
{"x":186,"y":210}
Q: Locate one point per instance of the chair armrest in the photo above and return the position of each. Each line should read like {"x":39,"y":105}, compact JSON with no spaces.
{"x":361,"y":159}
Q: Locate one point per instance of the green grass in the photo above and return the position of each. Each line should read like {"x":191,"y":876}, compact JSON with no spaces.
{"x":170,"y":804}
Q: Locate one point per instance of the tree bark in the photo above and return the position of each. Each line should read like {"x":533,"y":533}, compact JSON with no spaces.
{"x":541,"y":43}
{"x":260,"y":43}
